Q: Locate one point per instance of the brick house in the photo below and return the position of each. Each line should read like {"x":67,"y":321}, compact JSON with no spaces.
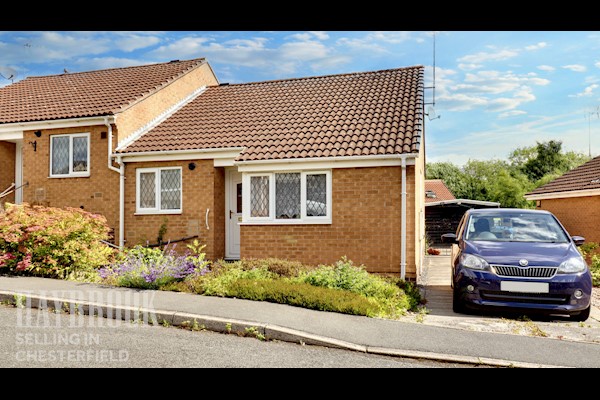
{"x":309,"y":169}
{"x":575,"y":200}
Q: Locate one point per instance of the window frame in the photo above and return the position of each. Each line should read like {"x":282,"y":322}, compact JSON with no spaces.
{"x":71,"y":173}
{"x":158,"y":192}
{"x":247,"y":219}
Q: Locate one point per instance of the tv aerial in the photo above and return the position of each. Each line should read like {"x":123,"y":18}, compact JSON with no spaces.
{"x":431,"y":114}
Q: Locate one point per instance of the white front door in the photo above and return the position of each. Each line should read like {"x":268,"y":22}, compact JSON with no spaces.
{"x":233,"y":213}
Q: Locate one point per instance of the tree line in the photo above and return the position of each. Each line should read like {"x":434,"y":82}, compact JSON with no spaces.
{"x":506,"y":181}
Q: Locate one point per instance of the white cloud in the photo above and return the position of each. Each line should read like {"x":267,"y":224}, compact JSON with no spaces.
{"x":257,"y":52}
{"x":482,"y":57}
{"x":587,"y":92}
{"x":547,"y":68}
{"x":575,"y":67}
{"x":135,"y":42}
{"x":469,"y":67}
{"x":303,"y":51}
{"x":460,"y":102}
{"x":537,"y":46}
{"x":321,"y":35}
{"x":493,"y":91}
{"x":597,"y":64}
{"x":511,"y":113}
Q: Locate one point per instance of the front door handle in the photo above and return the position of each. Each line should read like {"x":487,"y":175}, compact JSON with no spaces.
{"x":230,"y":214}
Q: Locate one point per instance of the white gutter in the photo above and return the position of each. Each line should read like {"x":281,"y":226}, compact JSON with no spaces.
{"x":320,"y":159}
{"x":403,"y":224}
{"x":51,"y":124}
{"x":110,"y":143}
{"x":563,"y":195}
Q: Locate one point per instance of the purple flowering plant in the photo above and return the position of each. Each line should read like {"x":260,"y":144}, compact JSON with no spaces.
{"x":148,"y":268}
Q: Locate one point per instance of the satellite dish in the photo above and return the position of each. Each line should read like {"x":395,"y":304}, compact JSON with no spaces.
{"x":8,"y":72}
{"x":431,"y":113}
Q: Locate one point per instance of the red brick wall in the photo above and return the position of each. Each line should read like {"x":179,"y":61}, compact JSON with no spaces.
{"x":366,"y":217}
{"x":99,"y":193}
{"x":579,"y":215}
{"x":199,"y":188}
{"x":7,"y":170}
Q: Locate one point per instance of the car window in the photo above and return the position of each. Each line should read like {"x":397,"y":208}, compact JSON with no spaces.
{"x":515,"y":227}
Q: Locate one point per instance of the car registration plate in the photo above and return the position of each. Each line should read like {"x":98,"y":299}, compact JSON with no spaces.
{"x":524,"y":287}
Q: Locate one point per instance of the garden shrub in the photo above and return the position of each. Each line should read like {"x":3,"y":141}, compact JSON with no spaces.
{"x":54,"y":242}
{"x":147,"y":268}
{"x":219,"y":281}
{"x":345,"y":275}
{"x":595,"y":270}
{"x":284,"y":268}
{"x":303,"y":295}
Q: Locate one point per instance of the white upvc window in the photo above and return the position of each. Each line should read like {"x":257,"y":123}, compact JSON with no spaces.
{"x":290,"y":197}
{"x":159,"y":190}
{"x":70,"y":155}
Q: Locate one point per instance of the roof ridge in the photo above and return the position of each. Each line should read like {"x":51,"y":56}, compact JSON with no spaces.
{"x":201,"y":59}
{"x":322,"y":76}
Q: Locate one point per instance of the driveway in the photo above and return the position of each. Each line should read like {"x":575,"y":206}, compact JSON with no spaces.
{"x":435,"y":279}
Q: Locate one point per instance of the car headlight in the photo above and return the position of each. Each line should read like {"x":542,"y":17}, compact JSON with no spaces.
{"x":473,"y":262}
{"x":572,"y":265}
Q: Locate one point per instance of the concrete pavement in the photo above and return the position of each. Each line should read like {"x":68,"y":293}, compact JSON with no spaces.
{"x":287,"y":323}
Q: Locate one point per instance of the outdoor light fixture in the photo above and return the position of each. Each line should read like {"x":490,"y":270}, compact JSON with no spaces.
{"x":38,"y":133}
{"x":192,"y":166}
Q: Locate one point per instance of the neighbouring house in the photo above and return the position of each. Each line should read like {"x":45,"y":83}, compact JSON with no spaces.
{"x":575,"y":199}
{"x":310,"y":169}
{"x":443,"y":211}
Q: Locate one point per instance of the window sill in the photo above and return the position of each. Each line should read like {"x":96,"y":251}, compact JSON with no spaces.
{"x":176,"y":212}
{"x":289,"y":222}
{"x":68,"y":176}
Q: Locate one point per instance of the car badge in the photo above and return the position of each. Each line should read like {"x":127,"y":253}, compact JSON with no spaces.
{"x":523,"y":262}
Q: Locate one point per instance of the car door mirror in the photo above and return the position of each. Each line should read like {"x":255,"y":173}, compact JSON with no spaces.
{"x":449,"y":238}
{"x":578,"y":240}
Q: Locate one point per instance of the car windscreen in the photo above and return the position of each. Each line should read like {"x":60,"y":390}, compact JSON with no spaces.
{"x":515,"y":227}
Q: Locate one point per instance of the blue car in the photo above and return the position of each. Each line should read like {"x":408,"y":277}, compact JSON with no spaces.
{"x":518,"y":260}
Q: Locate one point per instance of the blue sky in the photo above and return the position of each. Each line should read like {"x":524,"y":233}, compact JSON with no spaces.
{"x":495,"y":91}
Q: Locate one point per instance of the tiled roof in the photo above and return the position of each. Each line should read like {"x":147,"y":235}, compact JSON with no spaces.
{"x":86,"y":94}
{"x":584,"y":177}
{"x":370,"y":113}
{"x":439,"y":188}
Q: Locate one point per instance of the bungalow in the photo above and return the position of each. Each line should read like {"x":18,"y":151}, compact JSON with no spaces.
{"x":575,"y":199}
{"x":309,"y":169}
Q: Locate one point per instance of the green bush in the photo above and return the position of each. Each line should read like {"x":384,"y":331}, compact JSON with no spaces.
{"x":588,"y":249}
{"x":303,"y":295}
{"x":219,"y":281}
{"x":284,"y":268}
{"x":53,"y":242}
{"x":595,"y":270}
{"x":344,"y":275}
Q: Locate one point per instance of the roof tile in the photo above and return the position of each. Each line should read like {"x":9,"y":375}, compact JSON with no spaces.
{"x":357,"y":113}
{"x":86,"y":94}
{"x":584,"y":177}
{"x":439,"y":189}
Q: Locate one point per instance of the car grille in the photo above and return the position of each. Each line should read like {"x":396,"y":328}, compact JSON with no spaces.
{"x":538,"y":298}
{"x":526,"y":272}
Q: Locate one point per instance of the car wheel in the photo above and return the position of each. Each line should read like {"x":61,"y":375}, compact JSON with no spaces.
{"x":458,"y":305}
{"x":583,"y":315}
